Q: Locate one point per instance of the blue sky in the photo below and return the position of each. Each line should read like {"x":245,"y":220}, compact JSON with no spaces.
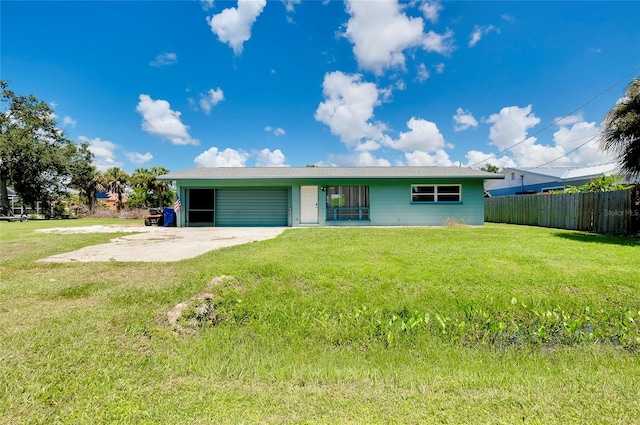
{"x":290,"y":83}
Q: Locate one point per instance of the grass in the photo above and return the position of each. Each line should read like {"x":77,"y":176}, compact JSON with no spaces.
{"x":497,"y":325}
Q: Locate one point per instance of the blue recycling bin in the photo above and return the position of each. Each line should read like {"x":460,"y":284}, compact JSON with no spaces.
{"x":169,"y":217}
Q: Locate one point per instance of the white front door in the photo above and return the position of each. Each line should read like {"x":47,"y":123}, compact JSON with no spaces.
{"x":308,"y":204}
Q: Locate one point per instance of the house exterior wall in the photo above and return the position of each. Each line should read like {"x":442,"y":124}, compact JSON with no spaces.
{"x":390,"y":201}
{"x":532,"y":182}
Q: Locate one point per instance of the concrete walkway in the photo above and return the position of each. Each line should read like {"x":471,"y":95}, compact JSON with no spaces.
{"x":159,"y":244}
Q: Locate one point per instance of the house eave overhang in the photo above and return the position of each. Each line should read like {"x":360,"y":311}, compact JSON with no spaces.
{"x":311,"y":174}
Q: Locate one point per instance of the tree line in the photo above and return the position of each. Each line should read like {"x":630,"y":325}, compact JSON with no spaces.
{"x":142,"y":189}
{"x":44,"y":166}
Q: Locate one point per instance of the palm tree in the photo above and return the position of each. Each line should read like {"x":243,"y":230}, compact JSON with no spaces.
{"x":621,"y":130}
{"x":90,"y":188}
{"x":116,"y":181}
{"x":160,"y":187}
{"x":85,"y":177}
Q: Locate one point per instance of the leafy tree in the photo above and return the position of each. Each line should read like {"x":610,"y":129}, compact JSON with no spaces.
{"x":621,"y":130}
{"x":35,"y":155}
{"x":490,"y":168}
{"x":137,"y":198}
{"x":142,"y":185}
{"x":116,"y":181}
{"x":599,"y":184}
{"x":156,"y":193}
{"x":162,"y":189}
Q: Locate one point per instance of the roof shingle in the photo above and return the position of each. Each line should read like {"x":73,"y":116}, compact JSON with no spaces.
{"x":241,"y":173}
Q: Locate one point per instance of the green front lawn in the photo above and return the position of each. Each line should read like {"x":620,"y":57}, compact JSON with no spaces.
{"x":501,"y":324}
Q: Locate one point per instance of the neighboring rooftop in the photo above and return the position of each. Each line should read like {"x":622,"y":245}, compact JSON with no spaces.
{"x":240,"y":173}
{"x":569,"y":172}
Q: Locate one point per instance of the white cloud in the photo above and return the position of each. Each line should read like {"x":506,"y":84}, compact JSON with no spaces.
{"x":380,"y":32}
{"x":213,"y":157}
{"x":568,"y":120}
{"x":583,"y":137}
{"x":536,"y":155}
{"x":420,"y":158}
{"x":68,"y":121}
{"x":423,"y":73}
{"x":291,"y":4}
{"x":266,"y":158}
{"x":479,"y":32}
{"x":276,"y":131}
{"x":348,"y":107}
{"x":431,"y":10}
{"x":164,"y":59}
{"x":233,"y":25}
{"x":210,"y":99}
{"x":576,"y":142}
{"x":159,"y":119}
{"x":578,"y":133}
{"x":207,"y":4}
{"x":422,"y":136}
{"x":103,"y":152}
{"x":369,"y":145}
{"x":139,"y":158}
{"x":464,"y":120}
{"x":99,"y":147}
{"x":508,"y":18}
{"x":325,"y":163}
{"x":476,"y":35}
{"x":439,"y":43}
{"x":361,"y":159}
{"x":439,"y":68}
{"x":510,"y":126}
{"x":479,"y":159}
{"x":348,"y":111}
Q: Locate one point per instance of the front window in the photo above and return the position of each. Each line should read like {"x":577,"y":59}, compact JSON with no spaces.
{"x":422,"y":193}
{"x":347,"y":203}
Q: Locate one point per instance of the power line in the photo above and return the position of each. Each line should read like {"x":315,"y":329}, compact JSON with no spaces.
{"x":560,"y":119}
{"x":567,"y":153}
{"x":557,"y":144}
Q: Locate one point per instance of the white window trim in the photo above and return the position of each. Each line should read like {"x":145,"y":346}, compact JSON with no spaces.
{"x":435,"y":194}
{"x":549,"y":189}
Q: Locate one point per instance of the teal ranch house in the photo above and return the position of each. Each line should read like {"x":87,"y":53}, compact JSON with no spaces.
{"x":329,"y":196}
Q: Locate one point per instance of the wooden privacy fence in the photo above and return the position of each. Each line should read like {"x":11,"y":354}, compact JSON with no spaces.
{"x":616,"y":212}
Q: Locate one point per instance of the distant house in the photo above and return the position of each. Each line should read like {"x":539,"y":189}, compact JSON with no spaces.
{"x":110,"y":200}
{"x":14,"y":201}
{"x":330,"y":196}
{"x":519,"y":181}
{"x":12,"y":195}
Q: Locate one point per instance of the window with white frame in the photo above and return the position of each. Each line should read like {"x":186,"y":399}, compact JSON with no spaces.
{"x":435,"y":193}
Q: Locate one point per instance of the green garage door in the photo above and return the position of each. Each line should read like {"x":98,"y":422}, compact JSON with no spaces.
{"x":264,"y":206}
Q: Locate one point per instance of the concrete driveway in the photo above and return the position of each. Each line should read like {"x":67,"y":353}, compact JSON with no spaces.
{"x":151,"y":244}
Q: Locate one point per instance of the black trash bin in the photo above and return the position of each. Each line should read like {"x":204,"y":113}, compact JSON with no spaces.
{"x":169,"y":217}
